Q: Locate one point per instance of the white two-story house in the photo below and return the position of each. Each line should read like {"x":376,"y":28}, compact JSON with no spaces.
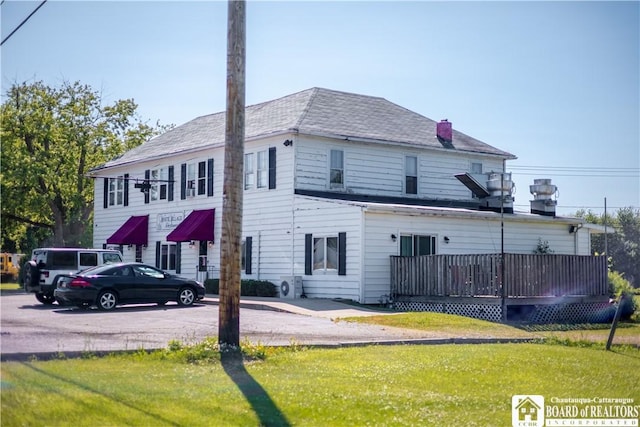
{"x":334,"y":184}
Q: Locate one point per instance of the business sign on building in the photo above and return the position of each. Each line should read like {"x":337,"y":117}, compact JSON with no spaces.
{"x":169,"y":220}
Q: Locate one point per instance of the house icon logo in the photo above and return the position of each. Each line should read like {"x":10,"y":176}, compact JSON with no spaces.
{"x":527,"y":411}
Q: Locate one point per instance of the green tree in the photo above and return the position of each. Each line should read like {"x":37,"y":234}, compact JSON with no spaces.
{"x":51,"y":137}
{"x":623,"y":246}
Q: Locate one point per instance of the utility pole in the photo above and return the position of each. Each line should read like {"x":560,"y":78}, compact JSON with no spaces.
{"x":232,"y":191}
{"x":503,"y":290}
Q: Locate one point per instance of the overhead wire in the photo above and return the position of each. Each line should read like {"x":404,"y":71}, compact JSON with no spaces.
{"x":23,"y":21}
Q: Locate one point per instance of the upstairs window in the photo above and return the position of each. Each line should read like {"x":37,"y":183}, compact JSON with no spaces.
{"x":191,"y":179}
{"x":415,"y":245}
{"x":249,"y":177}
{"x":263,"y":169}
{"x":476,"y":168}
{"x":197,"y":179}
{"x":159,"y":181}
{"x":336,"y":169}
{"x":116,"y":191}
{"x":411,"y":175}
{"x":202,"y":178}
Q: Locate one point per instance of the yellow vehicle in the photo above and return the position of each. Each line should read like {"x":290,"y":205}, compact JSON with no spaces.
{"x":10,"y":266}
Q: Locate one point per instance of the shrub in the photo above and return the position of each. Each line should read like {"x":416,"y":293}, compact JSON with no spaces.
{"x":248,"y":288}
{"x":618,"y":286}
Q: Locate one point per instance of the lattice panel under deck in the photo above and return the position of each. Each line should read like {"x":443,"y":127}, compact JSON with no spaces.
{"x":478,"y":311}
{"x":567,"y":313}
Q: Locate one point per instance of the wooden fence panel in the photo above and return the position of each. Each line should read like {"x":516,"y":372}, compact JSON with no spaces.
{"x":525,"y":275}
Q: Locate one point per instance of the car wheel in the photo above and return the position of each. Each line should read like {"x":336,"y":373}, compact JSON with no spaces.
{"x":107,"y":300}
{"x":47,"y":299}
{"x":186,"y":296}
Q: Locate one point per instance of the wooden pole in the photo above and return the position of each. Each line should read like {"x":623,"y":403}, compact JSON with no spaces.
{"x":616,"y":319}
{"x":232,"y":191}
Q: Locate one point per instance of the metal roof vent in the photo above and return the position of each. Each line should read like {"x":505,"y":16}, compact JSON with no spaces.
{"x":543,"y":191}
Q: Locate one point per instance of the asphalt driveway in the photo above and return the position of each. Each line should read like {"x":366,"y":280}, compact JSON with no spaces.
{"x":31,"y":328}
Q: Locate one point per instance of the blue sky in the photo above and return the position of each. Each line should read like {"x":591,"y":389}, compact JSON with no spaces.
{"x":555,"y":83}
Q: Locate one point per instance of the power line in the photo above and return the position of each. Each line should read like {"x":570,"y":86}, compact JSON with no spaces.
{"x":23,"y":22}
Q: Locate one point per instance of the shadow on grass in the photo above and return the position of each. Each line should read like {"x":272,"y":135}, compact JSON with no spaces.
{"x":100,"y":393}
{"x":265,"y":408}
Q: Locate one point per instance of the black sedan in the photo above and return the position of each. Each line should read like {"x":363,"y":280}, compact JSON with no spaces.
{"x":126,"y":283}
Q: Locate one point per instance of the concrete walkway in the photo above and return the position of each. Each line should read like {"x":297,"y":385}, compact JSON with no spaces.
{"x":316,"y":307}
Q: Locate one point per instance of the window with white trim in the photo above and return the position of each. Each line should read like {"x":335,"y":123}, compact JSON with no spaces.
{"x":249,"y":176}
{"x":414,"y":245}
{"x":263,"y":169}
{"x":202,"y":178}
{"x":336,"y":169}
{"x":158,"y":185}
{"x":476,"y":168}
{"x":116,"y":191}
{"x":325,"y":254}
{"x":411,"y":175}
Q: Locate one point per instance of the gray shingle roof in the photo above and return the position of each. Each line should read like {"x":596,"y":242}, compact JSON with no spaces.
{"x":316,"y":111}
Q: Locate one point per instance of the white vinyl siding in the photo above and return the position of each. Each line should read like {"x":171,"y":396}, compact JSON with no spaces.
{"x":379,"y":170}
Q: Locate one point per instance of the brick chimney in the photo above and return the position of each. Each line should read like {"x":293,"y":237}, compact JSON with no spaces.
{"x":444,"y":130}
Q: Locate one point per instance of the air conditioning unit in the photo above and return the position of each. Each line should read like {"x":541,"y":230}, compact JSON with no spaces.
{"x":191,"y":192}
{"x":291,"y":287}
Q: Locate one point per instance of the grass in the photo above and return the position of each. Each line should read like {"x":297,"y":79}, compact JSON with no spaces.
{"x":374,"y":385}
{"x":451,"y":326}
{"x":10,"y":287}
{"x":447,"y":324}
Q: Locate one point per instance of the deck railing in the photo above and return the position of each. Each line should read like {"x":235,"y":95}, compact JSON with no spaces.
{"x":526,"y":275}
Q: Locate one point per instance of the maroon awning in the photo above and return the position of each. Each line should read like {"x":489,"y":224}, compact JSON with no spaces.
{"x":197,"y":226}
{"x":132,"y":232}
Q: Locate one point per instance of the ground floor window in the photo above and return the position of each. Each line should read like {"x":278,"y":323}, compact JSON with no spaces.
{"x":138,"y":253}
{"x":326,"y":254}
{"x":414,"y":245}
{"x":202,"y":255}
{"x":168,"y":256}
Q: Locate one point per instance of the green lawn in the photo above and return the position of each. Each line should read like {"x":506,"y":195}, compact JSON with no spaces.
{"x":10,"y":286}
{"x":458,"y":326}
{"x":462,"y":385}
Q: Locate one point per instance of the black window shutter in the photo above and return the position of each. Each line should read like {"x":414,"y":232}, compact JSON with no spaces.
{"x":178,"y":256}
{"x":126,"y":189}
{"x":105,"y":203}
{"x":158,"y":254}
{"x":170,"y":186}
{"x":147,"y":175}
{"x":183,"y":181}
{"x":308,"y":254}
{"x":247,"y":254}
{"x":210,"y":177}
{"x":342,"y":254}
{"x":272,"y":168}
